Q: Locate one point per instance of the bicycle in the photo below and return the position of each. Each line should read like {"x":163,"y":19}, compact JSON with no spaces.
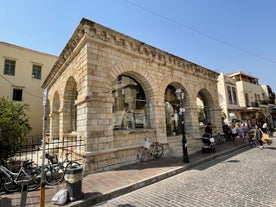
{"x":219,"y":138}
{"x":151,"y":149}
{"x":55,"y":171}
{"x":27,"y":175}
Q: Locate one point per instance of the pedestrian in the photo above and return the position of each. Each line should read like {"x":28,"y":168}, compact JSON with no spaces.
{"x":258,"y":136}
{"x":227,"y":131}
{"x":208,"y":129}
{"x":265,"y":127}
{"x":234,"y":133}
{"x":241,"y":132}
{"x":249,"y":139}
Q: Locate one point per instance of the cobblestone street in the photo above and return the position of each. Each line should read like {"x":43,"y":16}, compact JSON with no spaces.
{"x":245,"y":178}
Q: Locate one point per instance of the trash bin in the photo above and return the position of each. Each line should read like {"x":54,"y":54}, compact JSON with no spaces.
{"x":73,"y":180}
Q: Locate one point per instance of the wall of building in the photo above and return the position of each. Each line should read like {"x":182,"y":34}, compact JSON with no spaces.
{"x":91,"y":61}
{"x":252,"y":90}
{"x":32,"y":91}
{"x":231,"y":110}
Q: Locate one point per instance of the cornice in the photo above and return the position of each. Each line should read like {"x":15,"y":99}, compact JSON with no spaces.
{"x":23,"y":48}
{"x":88,"y":30}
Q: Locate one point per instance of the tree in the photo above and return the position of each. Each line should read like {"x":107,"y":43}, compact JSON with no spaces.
{"x":14,"y":126}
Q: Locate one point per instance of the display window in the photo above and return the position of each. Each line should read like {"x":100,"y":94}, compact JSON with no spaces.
{"x":130,"y":104}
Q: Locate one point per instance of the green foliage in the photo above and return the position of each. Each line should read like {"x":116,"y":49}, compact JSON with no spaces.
{"x":14,"y":126}
{"x":201,"y":115}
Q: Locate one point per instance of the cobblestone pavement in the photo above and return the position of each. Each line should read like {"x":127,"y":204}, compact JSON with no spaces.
{"x":102,"y":186}
{"x":247,"y":178}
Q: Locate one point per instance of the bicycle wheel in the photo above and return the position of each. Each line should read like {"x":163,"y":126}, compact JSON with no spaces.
{"x":9,"y":185}
{"x":145,"y":155}
{"x":54,"y":175}
{"x":222,"y":138}
{"x":158,"y":151}
{"x":34,"y":183}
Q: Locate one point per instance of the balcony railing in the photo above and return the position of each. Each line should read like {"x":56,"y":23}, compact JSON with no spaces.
{"x":252,"y":104}
{"x":264,"y":102}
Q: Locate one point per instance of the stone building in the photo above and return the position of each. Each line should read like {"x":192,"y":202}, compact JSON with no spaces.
{"x":115,"y":91}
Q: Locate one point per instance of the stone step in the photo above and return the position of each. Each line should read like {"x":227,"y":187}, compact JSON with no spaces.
{"x":176,"y":149}
{"x":175,"y":145}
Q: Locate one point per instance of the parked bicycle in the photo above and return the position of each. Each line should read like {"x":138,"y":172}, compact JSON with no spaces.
{"x":27,"y":175}
{"x":150,"y":150}
{"x":219,"y":138}
{"x":55,"y":171}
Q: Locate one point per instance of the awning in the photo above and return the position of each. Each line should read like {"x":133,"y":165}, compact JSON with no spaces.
{"x":233,"y":116}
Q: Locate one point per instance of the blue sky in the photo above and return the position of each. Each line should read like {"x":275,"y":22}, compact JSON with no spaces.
{"x":221,"y":35}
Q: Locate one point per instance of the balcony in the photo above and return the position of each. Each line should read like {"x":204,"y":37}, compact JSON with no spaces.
{"x":264,"y":102}
{"x":252,"y":104}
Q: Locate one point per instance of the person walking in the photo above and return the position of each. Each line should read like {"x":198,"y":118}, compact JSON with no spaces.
{"x":234,"y":133}
{"x":208,"y":129}
{"x":258,"y":136}
{"x":241,"y":132}
{"x":265,"y":127}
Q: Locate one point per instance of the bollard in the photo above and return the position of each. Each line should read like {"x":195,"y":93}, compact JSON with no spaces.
{"x":23,"y":195}
{"x":73,"y":180}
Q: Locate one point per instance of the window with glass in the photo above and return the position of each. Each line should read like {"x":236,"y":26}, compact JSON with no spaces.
{"x":17,"y":94}
{"x":130,"y":104}
{"x":9,"y":68}
{"x":36,"y":72}
{"x":230,"y":101}
{"x":201,"y":111}
{"x":234,"y":95}
{"x":173,"y":117}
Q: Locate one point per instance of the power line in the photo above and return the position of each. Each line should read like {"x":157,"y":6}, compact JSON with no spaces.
{"x":24,"y":91}
{"x":200,"y":32}
{"x":6,"y":80}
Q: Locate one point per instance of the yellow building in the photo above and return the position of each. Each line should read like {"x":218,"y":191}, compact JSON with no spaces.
{"x":22,"y":73}
{"x":243,"y":99}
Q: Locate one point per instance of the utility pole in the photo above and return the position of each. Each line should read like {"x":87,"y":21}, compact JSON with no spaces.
{"x":43,"y":183}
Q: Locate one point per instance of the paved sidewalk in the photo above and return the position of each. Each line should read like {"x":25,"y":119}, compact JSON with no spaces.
{"x":102,"y":186}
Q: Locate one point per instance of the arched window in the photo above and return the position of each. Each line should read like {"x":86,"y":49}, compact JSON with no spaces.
{"x":173,"y":126}
{"x":130,"y":105}
{"x":203,"y":110}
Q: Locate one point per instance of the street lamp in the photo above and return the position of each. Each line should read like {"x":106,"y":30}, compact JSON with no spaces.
{"x":180,"y":96}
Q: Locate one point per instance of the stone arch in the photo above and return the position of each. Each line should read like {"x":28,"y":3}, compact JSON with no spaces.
{"x":176,"y":82}
{"x":186,"y":104}
{"x":69,"y":107}
{"x":141,"y":75}
{"x":208,"y":107}
{"x":136,"y":72}
{"x":139,"y":108}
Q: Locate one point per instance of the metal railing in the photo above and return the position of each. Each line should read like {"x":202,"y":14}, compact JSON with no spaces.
{"x":33,"y":151}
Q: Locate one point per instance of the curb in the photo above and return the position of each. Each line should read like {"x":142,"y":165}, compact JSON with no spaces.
{"x":98,"y":197}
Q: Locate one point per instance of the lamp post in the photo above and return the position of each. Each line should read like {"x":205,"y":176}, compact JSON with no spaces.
{"x":180,"y":96}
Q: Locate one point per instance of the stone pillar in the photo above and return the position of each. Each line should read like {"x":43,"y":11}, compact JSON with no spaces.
{"x":54,"y":125}
{"x":95,"y":122}
{"x":159,"y":120}
{"x":191,"y":123}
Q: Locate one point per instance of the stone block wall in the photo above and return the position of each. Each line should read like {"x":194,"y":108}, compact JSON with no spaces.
{"x":94,"y":57}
